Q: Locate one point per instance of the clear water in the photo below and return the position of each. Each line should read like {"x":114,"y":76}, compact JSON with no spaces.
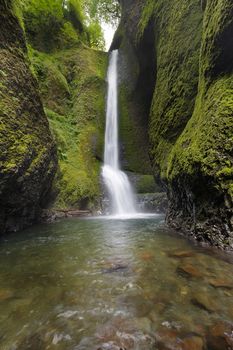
{"x":105,"y":284}
{"x":122,"y":199}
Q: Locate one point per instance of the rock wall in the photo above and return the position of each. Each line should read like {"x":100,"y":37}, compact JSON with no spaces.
{"x":72,"y":84}
{"x":136,"y":81}
{"x":27,"y":151}
{"x":73,"y":87}
{"x":184,"y":76}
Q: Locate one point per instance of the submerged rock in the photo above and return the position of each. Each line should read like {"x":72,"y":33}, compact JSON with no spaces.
{"x":168,"y":339}
{"x":172,"y":339}
{"x":221,"y":283}
{"x":6,"y":294}
{"x":179,"y":254}
{"x":114,"y":265}
{"x":32,"y":342}
{"x":205,"y":302}
{"x":129,"y":334}
{"x":115,"y":268}
{"x":192,"y":342}
{"x":188,"y":270}
{"x":220,"y":336}
{"x":147,"y":255}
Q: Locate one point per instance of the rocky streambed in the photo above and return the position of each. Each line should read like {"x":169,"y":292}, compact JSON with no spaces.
{"x":97,"y":283}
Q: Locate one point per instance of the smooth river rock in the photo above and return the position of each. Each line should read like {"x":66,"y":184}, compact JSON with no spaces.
{"x":188,"y":270}
{"x":220,"y":336}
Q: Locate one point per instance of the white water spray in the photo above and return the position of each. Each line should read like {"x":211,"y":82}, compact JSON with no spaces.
{"x":116,"y":181}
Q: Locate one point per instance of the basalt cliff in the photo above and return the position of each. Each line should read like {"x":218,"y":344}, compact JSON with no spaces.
{"x":176,"y":59}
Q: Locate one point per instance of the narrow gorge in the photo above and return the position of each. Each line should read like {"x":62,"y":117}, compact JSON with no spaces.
{"x":176,"y":62}
{"x":175,"y":106}
{"x":116,"y":174}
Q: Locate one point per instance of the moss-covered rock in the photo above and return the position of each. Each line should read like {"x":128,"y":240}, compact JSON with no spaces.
{"x":72,"y":85}
{"x":190,"y":103}
{"x":146,"y":184}
{"x":27,"y":151}
{"x":203,"y":153}
{"x":134,"y":101}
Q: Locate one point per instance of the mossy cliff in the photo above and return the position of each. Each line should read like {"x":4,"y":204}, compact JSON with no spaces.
{"x":72,"y":86}
{"x":52,"y":102}
{"x":183,"y":51}
{"x":133,"y":100}
{"x":27,"y":151}
{"x":71,"y":79}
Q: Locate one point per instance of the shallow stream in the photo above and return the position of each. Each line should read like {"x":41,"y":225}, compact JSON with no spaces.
{"x":86,"y":284}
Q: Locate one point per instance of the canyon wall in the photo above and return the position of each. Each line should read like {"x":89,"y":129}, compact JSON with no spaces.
{"x":182,"y":58}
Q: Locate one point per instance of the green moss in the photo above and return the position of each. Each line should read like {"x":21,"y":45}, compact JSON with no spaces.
{"x":147,"y":14}
{"x":27,"y":152}
{"x":132,"y":118}
{"x":226,"y":173}
{"x":72,"y":83}
{"x":207,"y":140}
{"x":146,"y":184}
{"x":80,"y":172}
{"x":178,"y":49}
{"x":132,"y":136}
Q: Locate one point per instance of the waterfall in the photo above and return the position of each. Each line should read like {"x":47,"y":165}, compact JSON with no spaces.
{"x":116,"y":181}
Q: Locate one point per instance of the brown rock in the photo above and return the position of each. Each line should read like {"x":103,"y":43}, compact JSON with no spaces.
{"x":220,"y":336}
{"x":221,"y":283}
{"x":146,"y":256}
{"x":193,"y":343}
{"x":171,"y":339}
{"x":180,"y":254}
{"x":168,"y":339}
{"x":126,"y":334}
{"x":188,"y":270}
{"x":6,"y":294}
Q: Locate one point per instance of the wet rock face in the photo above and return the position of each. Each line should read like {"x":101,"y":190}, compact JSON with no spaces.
{"x":27,"y":151}
{"x":190,"y":106}
{"x":135,"y":72}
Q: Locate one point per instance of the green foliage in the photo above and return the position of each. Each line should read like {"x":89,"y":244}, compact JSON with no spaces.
{"x":73,"y":10}
{"x":72,"y":86}
{"x":103,"y":10}
{"x":54,"y":24}
{"x":95,"y":34}
{"x":43,"y":22}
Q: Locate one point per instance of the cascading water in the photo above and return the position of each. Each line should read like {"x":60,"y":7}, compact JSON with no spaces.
{"x":117,"y":183}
